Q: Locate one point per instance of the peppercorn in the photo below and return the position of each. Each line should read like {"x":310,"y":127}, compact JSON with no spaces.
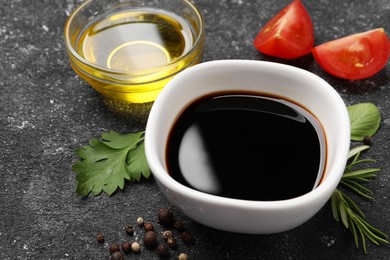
{"x":148,"y":227}
{"x":165,"y":217}
{"x":183,"y":256}
{"x":179,"y":225}
{"x":367,"y":140}
{"x":186,"y":237}
{"x":167,"y":234}
{"x":150,"y":239}
{"x":171,"y":242}
{"x":126,"y":247}
{"x":135,"y":247}
{"x":100,"y":238}
{"x":140,"y":221}
{"x":114,"y":248}
{"x":117,"y":256}
{"x":163,"y":251}
{"x":129,"y":230}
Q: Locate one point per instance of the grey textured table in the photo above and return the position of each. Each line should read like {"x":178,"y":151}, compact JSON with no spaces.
{"x":46,"y":112}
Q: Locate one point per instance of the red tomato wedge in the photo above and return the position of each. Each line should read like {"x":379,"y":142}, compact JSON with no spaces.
{"x":287,"y":35}
{"x":357,"y":56}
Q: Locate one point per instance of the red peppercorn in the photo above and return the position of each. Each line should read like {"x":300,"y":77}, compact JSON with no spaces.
{"x":150,"y":239}
{"x":126,"y":247}
{"x":114,"y":248}
{"x":100,"y":238}
{"x":179,"y":225}
{"x":163,"y":251}
{"x":367,"y":140}
{"x":186,"y":237}
{"x":117,"y":256}
{"x":129,"y":230}
{"x":148,"y":227}
{"x":165,"y":217}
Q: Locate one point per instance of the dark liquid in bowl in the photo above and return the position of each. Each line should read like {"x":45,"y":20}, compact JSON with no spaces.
{"x":246,"y":147}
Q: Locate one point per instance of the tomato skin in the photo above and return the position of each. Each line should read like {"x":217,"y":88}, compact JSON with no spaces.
{"x":353,"y":57}
{"x":288,"y":35}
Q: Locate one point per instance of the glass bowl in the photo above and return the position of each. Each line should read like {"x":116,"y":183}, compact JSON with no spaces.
{"x":128,"y":50}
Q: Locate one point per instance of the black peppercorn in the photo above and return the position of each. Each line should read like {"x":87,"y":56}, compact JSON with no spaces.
{"x":100,"y":238}
{"x":179,"y":225}
{"x":165,"y":217}
{"x":163,"y":251}
{"x":129,"y":230}
{"x":117,"y":256}
{"x":186,"y":237}
{"x":126,"y":247}
{"x":148,"y":227}
{"x":114,"y":248}
{"x":150,"y":239}
{"x":367,"y":140}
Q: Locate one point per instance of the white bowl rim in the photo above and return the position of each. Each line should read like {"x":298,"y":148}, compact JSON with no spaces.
{"x":327,"y":185}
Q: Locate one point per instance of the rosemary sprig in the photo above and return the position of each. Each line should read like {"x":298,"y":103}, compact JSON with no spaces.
{"x":346,"y":210}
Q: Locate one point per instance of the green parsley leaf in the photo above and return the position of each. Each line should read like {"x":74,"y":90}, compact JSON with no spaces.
{"x":365,"y":120}
{"x":105,"y":164}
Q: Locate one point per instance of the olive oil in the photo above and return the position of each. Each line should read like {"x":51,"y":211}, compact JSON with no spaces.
{"x":247,"y":147}
{"x":135,"y":40}
{"x":141,"y":48}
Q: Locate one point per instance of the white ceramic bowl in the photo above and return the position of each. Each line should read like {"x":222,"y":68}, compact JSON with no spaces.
{"x":244,"y":216}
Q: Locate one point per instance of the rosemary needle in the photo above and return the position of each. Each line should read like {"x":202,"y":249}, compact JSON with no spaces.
{"x":346,"y":210}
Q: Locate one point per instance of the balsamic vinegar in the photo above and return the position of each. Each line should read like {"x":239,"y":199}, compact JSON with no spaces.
{"x":247,"y":147}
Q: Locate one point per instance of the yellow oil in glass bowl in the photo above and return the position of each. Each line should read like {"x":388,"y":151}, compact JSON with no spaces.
{"x":128,"y":50}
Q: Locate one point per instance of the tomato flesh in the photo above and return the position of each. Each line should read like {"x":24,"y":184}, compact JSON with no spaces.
{"x":287,"y":35}
{"x":356,"y":56}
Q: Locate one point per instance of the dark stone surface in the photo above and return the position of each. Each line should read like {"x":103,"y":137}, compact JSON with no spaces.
{"x":46,"y":112}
